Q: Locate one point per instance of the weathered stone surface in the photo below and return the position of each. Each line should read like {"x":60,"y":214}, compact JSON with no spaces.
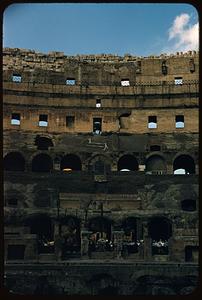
{"x":65,"y":184}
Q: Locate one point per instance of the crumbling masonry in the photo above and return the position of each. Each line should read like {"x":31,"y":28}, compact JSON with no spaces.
{"x":100,"y":173}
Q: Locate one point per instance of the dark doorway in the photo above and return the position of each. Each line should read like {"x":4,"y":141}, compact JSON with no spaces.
{"x":184,"y":162}
{"x":127,"y":162}
{"x":155,"y":164}
{"x":160,"y":230}
{"x":97,"y":125}
{"x":70,"y":162}
{"x":43,"y":143}
{"x":42,"y":163}
{"x":42,"y":226}
{"x":191,"y":253}
{"x":188,"y":205}
{"x":14,"y":161}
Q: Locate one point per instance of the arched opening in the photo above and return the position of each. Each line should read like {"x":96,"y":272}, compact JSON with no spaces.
{"x":69,"y":230}
{"x":109,"y":290}
{"x":130,"y":242}
{"x":70,"y":162}
{"x":43,"y":143}
{"x":42,"y":226}
{"x":100,"y":240}
{"x":100,"y":165}
{"x":14,"y":161}
{"x":188,"y":205}
{"x":42,"y":163}
{"x":191,"y":253}
{"x":155,"y":164}
{"x":184,"y":164}
{"x":160,"y":230}
{"x":127,"y":162}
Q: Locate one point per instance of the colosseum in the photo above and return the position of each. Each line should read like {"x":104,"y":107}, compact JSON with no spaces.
{"x":100,"y":173}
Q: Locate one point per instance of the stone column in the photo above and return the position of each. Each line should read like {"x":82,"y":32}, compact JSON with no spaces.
{"x":147,"y":242}
{"x":118,"y":243}
{"x":85,"y":243}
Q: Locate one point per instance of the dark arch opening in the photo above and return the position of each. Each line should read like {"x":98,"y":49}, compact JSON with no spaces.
{"x":101,"y":226}
{"x":14,"y":161}
{"x":184,"y":164}
{"x":155,"y":164}
{"x":191,"y":253}
{"x":43,"y":143}
{"x":160,"y":230}
{"x":128,"y":162}
{"x":42,"y":163}
{"x":188,"y":205}
{"x":130,"y":243}
{"x":70,"y":162}
{"x":42,"y":226}
{"x":155,"y":148}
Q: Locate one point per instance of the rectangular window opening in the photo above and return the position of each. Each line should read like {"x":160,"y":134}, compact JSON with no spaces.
{"x":43,"y":120}
{"x":70,"y":121}
{"x":98,"y":103}
{"x":15,"y":119}
{"x":179,"y":121}
{"x":16,"y":78}
{"x":178,"y":80}
{"x":125,"y":82}
{"x":16,"y":252}
{"x":192,"y":65}
{"x":152,"y":122}
{"x":97,"y":125}
{"x":70,"y":81}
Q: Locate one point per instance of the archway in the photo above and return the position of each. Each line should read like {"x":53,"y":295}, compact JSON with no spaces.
{"x":184,"y":164}
{"x":130,"y":243}
{"x":43,"y":143}
{"x":100,"y":239}
{"x":188,"y":205}
{"x":99,"y":164}
{"x":160,"y":230}
{"x":42,"y":163}
{"x":70,"y":162}
{"x":128,"y":163}
{"x":14,"y":161}
{"x":42,"y":226}
{"x":155,"y":164}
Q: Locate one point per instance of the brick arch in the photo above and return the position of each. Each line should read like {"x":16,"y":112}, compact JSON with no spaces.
{"x":127,"y":161}
{"x":184,"y":162}
{"x":71,"y":161}
{"x":14,"y":161}
{"x":105,"y":161}
{"x":156,"y":163}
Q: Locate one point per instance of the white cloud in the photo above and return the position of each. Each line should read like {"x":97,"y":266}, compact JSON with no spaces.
{"x":183,"y":35}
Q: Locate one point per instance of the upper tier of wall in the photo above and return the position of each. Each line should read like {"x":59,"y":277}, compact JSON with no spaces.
{"x":55,"y":67}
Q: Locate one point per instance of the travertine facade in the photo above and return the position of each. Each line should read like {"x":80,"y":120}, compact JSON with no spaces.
{"x":101,"y":173}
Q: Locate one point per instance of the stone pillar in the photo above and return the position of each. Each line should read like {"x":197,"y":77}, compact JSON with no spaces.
{"x":147,"y":242}
{"x":142,"y":168}
{"x":85,"y":243}
{"x":169,"y":169}
{"x":118,"y":243}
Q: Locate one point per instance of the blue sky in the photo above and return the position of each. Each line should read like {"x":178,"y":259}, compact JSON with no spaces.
{"x":138,"y":29}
